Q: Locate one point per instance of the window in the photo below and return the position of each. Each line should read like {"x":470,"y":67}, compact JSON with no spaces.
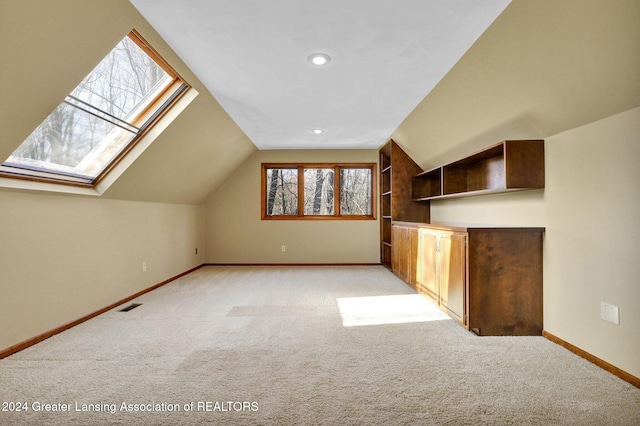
{"x":101,"y":119}
{"x":318,"y":191}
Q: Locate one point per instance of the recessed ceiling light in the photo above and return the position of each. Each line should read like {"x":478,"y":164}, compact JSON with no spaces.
{"x":317,"y":131}
{"x":319,"y":59}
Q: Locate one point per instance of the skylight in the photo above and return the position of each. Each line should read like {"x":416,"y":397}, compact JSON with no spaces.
{"x":101,"y":119}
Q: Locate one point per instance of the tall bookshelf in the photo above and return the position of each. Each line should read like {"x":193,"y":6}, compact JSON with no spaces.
{"x":397,"y":170}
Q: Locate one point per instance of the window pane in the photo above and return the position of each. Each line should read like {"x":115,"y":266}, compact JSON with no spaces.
{"x":92,"y":128}
{"x":356,"y":191}
{"x":124,"y":82}
{"x":282,"y":191}
{"x":72,"y":141}
{"x":318,"y":191}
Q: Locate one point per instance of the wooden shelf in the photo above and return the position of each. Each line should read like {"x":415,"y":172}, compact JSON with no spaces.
{"x":385,"y":181}
{"x":396,"y":173}
{"x":427,"y":185}
{"x":507,"y":166}
{"x":386,"y":231}
{"x":385,"y":203}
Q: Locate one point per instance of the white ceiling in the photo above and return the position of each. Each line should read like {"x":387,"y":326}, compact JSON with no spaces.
{"x":387,"y":55}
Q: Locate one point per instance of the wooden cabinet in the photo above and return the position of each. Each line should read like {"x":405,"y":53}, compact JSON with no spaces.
{"x":507,"y":166}
{"x":428,"y":281}
{"x":505,"y":281}
{"x":452,"y":249}
{"x":397,"y":170}
{"x":488,"y":279}
{"x":405,"y":253}
{"x":443,"y":270}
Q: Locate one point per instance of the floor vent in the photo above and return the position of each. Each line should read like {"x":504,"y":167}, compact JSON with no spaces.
{"x":130,"y":307}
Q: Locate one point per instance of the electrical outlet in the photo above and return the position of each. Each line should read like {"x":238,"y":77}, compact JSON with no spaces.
{"x":610,"y":313}
{"x":283,"y":248}
{"x":144,"y":266}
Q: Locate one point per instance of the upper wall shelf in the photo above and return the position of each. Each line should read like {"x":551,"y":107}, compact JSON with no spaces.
{"x":506,"y":166}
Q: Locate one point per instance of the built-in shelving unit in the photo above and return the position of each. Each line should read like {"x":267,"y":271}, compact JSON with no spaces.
{"x":507,"y":166}
{"x":487,"y":278}
{"x":397,"y":170}
{"x":385,"y":205}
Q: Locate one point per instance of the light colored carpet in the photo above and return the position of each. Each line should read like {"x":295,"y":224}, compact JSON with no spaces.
{"x":303,"y":346}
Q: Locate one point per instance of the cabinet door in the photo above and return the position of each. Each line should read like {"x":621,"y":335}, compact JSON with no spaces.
{"x":396,"y":237}
{"x":412,"y":254}
{"x":405,"y":253}
{"x":428,"y":282}
{"x":399,"y":246}
{"x":453,"y":273}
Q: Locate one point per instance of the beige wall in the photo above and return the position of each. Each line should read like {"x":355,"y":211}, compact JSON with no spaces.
{"x":63,"y":257}
{"x":590,"y":207}
{"x":566,"y":72}
{"x":235,"y":232}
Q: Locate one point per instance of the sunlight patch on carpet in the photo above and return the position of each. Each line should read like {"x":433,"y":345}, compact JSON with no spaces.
{"x":395,"y":309}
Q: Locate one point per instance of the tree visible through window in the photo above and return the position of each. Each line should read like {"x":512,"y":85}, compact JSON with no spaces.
{"x":99,"y":120}
{"x":318,"y":191}
{"x":356,"y":197}
{"x":283,"y":191}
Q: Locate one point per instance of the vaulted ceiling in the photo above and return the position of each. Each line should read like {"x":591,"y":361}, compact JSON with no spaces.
{"x":441,"y":77}
{"x":385,"y":58}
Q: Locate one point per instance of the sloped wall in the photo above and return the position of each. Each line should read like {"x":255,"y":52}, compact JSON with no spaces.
{"x":48,"y":47}
{"x":63,"y":256}
{"x":565,"y":72}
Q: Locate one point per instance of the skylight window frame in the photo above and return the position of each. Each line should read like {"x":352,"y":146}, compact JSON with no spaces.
{"x":143,"y":122}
